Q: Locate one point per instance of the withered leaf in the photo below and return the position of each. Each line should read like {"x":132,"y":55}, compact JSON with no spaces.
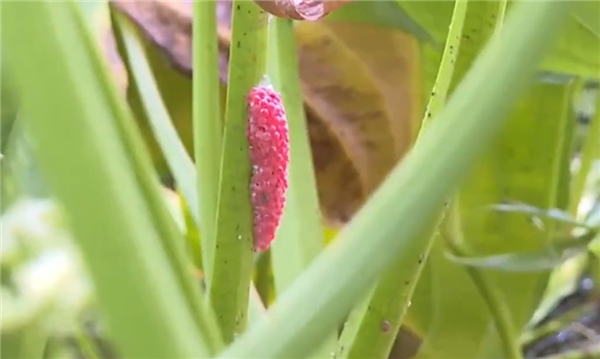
{"x":168,"y":25}
{"x":361,"y":89}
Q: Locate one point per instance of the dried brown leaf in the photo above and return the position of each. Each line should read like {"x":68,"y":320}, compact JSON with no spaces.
{"x":168,"y":25}
{"x":361,"y":93}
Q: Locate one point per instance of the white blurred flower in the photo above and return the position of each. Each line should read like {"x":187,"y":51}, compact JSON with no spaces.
{"x":49,"y":282}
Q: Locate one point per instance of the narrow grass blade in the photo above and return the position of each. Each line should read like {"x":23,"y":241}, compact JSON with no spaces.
{"x":386,"y":307}
{"x":542,"y":260}
{"x":300,"y":235}
{"x":63,"y":86}
{"x":499,"y":310}
{"x":208,"y":129}
{"x":556,"y":215}
{"x":233,"y":255}
{"x":406,"y":202}
{"x":179,"y":162}
{"x":589,"y":154}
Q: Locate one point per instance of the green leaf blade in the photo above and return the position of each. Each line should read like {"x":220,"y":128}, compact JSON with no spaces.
{"x":233,"y":261}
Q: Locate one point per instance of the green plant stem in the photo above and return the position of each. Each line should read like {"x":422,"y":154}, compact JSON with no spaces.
{"x":25,"y":342}
{"x":387,"y":305}
{"x":300,"y":235}
{"x":263,"y":278}
{"x":179,"y":162}
{"x":86,"y":345}
{"x":498,"y":310}
{"x":233,"y":255}
{"x":563,"y":155}
{"x":500,"y":15}
{"x":77,"y":123}
{"x":208,"y":129}
{"x":589,"y":153}
{"x":256,"y":308}
{"x":406,"y":202}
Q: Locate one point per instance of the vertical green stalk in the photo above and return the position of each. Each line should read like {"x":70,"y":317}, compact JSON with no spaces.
{"x":498,"y":309}
{"x":589,"y":153}
{"x":372,"y":328}
{"x":501,"y":14}
{"x":233,"y":256}
{"x":80,"y":127}
{"x":179,"y":162}
{"x":300,"y":236}
{"x":24,"y":342}
{"x":207,"y":124}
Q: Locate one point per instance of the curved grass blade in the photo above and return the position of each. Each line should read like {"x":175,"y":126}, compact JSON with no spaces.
{"x":530,"y":261}
{"x":499,"y":310}
{"x":554,"y":214}
{"x":300,"y":235}
{"x":389,"y":301}
{"x":179,"y":162}
{"x":406,"y":202}
{"x":208,"y":129}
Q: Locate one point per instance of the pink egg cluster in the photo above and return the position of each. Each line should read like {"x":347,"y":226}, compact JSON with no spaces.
{"x":269,"y":140}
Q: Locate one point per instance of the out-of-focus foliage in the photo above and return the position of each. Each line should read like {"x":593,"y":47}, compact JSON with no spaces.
{"x":527,"y":215}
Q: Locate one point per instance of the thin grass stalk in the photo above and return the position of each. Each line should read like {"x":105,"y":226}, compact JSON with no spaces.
{"x":233,"y":256}
{"x":300,"y":235}
{"x":589,"y":154}
{"x":208,"y":129}
{"x":180,"y":164}
{"x":509,"y":338}
{"x":388,"y":302}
